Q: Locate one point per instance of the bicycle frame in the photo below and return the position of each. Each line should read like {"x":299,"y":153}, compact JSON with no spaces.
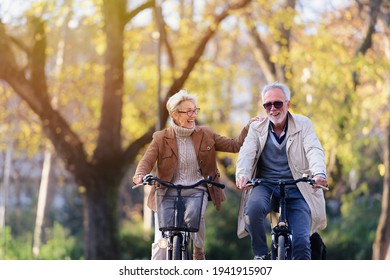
{"x":176,"y":236}
{"x":281,"y":235}
{"x":178,"y":239}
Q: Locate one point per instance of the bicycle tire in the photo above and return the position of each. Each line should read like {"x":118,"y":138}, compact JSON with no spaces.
{"x":281,"y":248}
{"x":274,"y":252}
{"x":177,"y":253}
{"x":186,"y":252}
{"x":289,"y":248}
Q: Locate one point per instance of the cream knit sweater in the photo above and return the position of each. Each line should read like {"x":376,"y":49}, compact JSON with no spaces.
{"x":187,"y":170}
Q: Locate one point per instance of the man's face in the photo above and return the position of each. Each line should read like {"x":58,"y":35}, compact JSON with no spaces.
{"x":272,"y":99}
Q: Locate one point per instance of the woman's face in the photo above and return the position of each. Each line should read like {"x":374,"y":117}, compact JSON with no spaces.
{"x":186,"y":114}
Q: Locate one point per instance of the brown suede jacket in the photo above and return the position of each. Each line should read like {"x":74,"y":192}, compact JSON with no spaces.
{"x":163,"y":150}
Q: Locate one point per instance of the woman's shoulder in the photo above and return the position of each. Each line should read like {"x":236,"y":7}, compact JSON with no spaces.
{"x":205,"y":129}
{"x":166,"y":132}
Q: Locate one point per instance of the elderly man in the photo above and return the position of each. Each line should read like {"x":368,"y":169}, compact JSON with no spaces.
{"x":283,"y":146}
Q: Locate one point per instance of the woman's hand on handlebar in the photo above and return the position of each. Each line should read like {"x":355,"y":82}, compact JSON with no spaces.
{"x":137,"y":179}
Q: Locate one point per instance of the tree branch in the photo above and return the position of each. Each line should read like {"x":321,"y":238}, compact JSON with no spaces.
{"x":366,"y":44}
{"x":162,"y":27}
{"x":208,"y":34}
{"x":38,"y":61}
{"x":179,"y":82}
{"x":109,"y":138}
{"x":66,"y":142}
{"x":129,"y":16}
{"x":263,"y":55}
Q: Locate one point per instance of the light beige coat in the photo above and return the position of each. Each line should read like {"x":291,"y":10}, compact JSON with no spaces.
{"x":305,"y":156}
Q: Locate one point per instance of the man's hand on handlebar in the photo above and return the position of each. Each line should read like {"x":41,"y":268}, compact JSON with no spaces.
{"x":320,"y":183}
{"x":317,"y":182}
{"x":241,"y":183}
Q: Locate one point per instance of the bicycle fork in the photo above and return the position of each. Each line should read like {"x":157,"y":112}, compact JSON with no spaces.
{"x":281,"y":234}
{"x":177,"y":246}
{"x":281,"y":242}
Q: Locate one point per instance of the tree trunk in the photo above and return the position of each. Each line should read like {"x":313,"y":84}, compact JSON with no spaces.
{"x":381,"y":248}
{"x":100,"y":221}
{"x":42,"y":200}
{"x":4,"y":193}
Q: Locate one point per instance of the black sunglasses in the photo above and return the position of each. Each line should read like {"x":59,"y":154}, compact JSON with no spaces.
{"x":276,"y":104}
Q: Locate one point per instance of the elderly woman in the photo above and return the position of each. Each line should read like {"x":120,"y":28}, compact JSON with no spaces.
{"x":186,"y":153}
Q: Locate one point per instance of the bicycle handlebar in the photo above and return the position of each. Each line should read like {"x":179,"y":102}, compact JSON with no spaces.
{"x":257,"y":181}
{"x":149,"y":179}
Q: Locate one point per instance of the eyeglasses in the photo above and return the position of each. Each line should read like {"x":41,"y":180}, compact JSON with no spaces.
{"x":190,"y":113}
{"x":276,"y":104}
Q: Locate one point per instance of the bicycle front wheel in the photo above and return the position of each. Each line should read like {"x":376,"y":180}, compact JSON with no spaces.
{"x":281,"y":248}
{"x":177,"y":254}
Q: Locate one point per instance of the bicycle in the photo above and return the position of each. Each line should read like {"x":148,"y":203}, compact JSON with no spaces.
{"x":281,"y":235}
{"x":178,"y":215}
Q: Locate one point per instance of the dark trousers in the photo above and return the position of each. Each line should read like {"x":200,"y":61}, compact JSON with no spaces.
{"x":262,"y":200}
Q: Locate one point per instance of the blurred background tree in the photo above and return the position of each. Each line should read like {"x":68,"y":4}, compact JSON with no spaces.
{"x":92,"y":78}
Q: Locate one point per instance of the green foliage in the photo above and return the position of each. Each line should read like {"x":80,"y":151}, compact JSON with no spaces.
{"x":60,"y":246}
{"x":19,"y":126}
{"x":135,"y":241}
{"x":350,"y":236}
{"x":221,"y":241}
{"x":16,"y":248}
{"x":368,"y":163}
{"x":20,"y":220}
{"x":61,"y":235}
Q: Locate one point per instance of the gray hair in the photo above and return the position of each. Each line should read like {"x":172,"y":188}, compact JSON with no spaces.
{"x":278,"y":85}
{"x":175,"y":100}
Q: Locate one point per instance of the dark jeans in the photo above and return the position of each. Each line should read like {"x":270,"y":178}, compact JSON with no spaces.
{"x":262,"y":200}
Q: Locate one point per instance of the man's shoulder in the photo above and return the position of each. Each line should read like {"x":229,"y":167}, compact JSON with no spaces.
{"x":300,"y":118}
{"x":260,"y":125}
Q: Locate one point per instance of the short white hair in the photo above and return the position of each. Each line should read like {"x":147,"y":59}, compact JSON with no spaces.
{"x":278,"y":85}
{"x":175,"y":100}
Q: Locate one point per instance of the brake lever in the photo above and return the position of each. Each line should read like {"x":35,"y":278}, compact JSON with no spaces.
{"x":321,"y":186}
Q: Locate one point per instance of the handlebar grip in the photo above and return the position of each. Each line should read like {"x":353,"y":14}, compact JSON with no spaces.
{"x":137,"y":186}
{"x":148,"y":177}
{"x":213,"y":183}
{"x":311,"y":182}
{"x":320,"y":186}
{"x":145,"y":181}
{"x":314,"y":184}
{"x":218,"y":185}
